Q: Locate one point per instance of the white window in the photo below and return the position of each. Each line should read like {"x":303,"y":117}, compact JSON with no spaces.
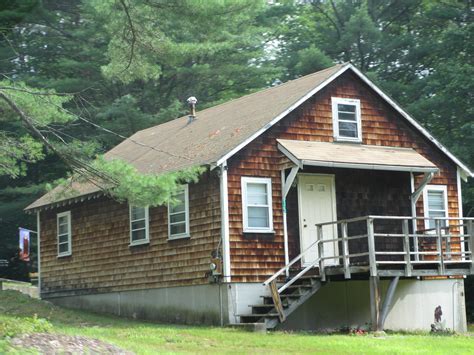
{"x":64,"y":233}
{"x":346,"y":119}
{"x":139,"y":225}
{"x":178,"y":215}
{"x":435,"y":201}
{"x":257,"y":205}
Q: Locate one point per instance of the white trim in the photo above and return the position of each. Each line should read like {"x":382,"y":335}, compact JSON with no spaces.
{"x":369,"y":166}
{"x":225,"y":230}
{"x":282,"y":115}
{"x":69,"y":232}
{"x":38,"y":245}
{"x":335,"y":101}
{"x":147,"y":226}
{"x":460,"y":209}
{"x":343,"y":69}
{"x":442,"y":188}
{"x":186,"y":233}
{"x":257,"y":180}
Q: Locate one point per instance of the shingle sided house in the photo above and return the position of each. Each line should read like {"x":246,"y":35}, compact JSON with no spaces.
{"x":323,"y":205}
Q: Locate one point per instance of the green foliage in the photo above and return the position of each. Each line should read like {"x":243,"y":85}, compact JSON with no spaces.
{"x":143,"y":189}
{"x":27,"y":325}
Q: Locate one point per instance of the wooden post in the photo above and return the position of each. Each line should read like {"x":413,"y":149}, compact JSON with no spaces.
{"x":374,"y":283}
{"x":277,"y":301}
{"x":470,"y":232}
{"x":371,"y":243}
{"x":406,"y":244}
{"x":345,"y":251}
{"x":322,"y":272}
{"x":439,"y":239}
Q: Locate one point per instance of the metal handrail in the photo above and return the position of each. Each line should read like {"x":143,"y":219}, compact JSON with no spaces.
{"x":286,"y":267}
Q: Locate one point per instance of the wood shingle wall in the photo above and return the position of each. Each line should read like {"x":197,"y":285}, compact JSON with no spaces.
{"x":255,"y":257}
{"x":103,"y":261}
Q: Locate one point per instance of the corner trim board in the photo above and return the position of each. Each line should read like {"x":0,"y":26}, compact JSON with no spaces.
{"x":225,"y":235}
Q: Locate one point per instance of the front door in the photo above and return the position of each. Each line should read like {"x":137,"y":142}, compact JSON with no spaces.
{"x":316,"y":196}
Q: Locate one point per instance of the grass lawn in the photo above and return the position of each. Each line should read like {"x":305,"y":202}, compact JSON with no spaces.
{"x":17,"y":316}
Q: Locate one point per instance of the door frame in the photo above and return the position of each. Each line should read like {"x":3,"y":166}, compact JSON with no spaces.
{"x":334,"y":207}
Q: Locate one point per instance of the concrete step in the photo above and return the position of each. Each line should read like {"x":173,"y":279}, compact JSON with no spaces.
{"x":249,"y":327}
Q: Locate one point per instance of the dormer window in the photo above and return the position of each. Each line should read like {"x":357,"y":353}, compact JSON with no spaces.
{"x":346,"y":119}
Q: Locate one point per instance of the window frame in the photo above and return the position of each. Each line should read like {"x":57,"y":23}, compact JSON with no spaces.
{"x":245,"y":180}
{"x":437,"y":188}
{"x":147,"y":226}
{"x":69,"y":233}
{"x":335,"y":119}
{"x":186,"y":234}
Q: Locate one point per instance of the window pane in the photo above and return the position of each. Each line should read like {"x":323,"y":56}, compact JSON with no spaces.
{"x":138,"y":235}
{"x":63,"y":238}
{"x":62,"y":220}
{"x":348,"y":129}
{"x":346,"y":108}
{"x":178,"y":229}
{"x":63,"y":248}
{"x":258,"y":217}
{"x":63,"y":229}
{"x":138,"y":213}
{"x":256,"y":194}
{"x":138,"y":224}
{"x":436,"y":200}
{"x":180,"y":206}
{"x":347,"y":116}
{"x":180,"y":217}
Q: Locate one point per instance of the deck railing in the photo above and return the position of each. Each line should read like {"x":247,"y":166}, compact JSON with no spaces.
{"x":388,"y":243}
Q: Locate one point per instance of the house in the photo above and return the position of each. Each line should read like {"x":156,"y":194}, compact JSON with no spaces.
{"x":323,"y":205}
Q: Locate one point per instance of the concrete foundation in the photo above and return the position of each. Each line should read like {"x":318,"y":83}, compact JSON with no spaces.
{"x":346,"y":304}
{"x":337,"y":305}
{"x":200,"y":304}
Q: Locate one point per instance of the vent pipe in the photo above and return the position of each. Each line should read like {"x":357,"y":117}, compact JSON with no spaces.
{"x":192,"y":101}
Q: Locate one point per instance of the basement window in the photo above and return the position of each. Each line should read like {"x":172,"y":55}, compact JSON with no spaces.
{"x":64,"y":233}
{"x":435,"y":201}
{"x":139,"y":225}
{"x":346,"y":119}
{"x":257,"y":205}
{"x":178,"y":215}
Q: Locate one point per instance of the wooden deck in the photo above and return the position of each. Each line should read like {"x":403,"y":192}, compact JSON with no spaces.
{"x":442,"y":251}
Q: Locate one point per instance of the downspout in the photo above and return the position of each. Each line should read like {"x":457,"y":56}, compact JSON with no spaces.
{"x":38,"y":230}
{"x":224,"y":200}
{"x":285,"y":223}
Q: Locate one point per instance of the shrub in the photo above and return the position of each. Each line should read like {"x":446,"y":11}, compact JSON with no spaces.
{"x":14,"y":326}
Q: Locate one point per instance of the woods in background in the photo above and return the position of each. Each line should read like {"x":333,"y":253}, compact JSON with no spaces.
{"x":127,"y":65}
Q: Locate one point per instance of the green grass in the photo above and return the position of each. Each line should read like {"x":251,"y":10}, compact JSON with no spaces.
{"x":17,"y":311}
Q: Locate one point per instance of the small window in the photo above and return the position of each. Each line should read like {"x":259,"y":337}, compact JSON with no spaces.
{"x":139,"y":225}
{"x":64,"y":233}
{"x":178,"y":215}
{"x":257,"y":205}
{"x":435,"y":204}
{"x":346,"y":119}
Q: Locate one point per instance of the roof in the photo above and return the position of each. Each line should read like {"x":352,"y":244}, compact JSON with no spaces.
{"x":355,"y":156}
{"x":221,"y":131}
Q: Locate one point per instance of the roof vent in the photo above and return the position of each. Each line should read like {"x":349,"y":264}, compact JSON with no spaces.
{"x":192,"y":101}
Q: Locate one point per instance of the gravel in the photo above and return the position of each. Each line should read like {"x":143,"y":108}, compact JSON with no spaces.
{"x":46,"y":343}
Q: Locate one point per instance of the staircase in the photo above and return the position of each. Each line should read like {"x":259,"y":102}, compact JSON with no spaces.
{"x":273,"y":311}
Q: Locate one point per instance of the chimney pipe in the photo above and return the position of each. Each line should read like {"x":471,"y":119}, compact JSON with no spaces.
{"x":192,"y":101}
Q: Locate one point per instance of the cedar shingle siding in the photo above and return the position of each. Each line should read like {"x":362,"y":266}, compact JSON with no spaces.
{"x":255,"y":257}
{"x":103,"y":261}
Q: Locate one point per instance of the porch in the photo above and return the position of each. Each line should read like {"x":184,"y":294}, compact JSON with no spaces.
{"x":443,"y":251}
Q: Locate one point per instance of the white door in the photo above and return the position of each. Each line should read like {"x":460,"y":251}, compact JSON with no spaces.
{"x":316,"y":196}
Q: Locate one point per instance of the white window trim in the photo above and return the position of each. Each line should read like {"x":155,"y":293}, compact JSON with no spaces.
{"x":335,"y":119}
{"x":268,"y":181}
{"x":442,"y":188}
{"x":186,"y":234}
{"x":69,"y":238}
{"x":147,"y":227}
